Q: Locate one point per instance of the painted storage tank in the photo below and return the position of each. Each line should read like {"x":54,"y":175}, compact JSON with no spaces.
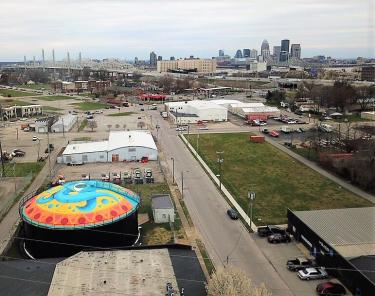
{"x":79,"y":215}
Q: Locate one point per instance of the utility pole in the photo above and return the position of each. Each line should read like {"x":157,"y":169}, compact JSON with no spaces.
{"x":182,"y":185}
{"x":196,"y":150}
{"x":2,"y":160}
{"x":172,"y":158}
{"x":49,"y":155}
{"x":220,"y":160}
{"x":62,"y":121}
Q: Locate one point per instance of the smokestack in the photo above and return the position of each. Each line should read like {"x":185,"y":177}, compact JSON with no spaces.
{"x":34,"y":61}
{"x":44,"y":62}
{"x":24,"y":61}
{"x":80,"y":58}
{"x":53,"y":57}
{"x":68,"y":59}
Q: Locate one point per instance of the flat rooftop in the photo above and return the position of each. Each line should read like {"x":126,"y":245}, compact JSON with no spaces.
{"x":129,"y":272}
{"x":350,"y":231}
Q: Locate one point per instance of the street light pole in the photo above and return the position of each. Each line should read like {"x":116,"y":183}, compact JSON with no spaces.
{"x":251,"y":197}
{"x":196,"y":151}
{"x":172,"y":158}
{"x":182,"y":184}
{"x":49,"y":155}
{"x":220,"y":160}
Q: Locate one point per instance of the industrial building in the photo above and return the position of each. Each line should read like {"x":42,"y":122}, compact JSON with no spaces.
{"x":64,"y":219}
{"x":64,"y":123}
{"x":341,"y":240}
{"x":21,"y":111}
{"x":253,"y":111}
{"x":162,"y":208}
{"x":121,"y":146}
{"x":191,"y":64}
{"x":195,"y":111}
{"x":43,"y":125}
{"x":369,"y":115}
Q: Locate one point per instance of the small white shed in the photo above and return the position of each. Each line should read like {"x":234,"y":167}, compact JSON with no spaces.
{"x":162,"y":208}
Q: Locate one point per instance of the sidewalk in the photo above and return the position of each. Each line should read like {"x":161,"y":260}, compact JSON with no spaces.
{"x":9,"y":224}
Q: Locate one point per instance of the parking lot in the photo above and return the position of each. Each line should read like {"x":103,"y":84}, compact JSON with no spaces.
{"x":96,"y":170}
{"x":279,"y":254}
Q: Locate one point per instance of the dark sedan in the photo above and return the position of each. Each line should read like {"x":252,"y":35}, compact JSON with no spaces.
{"x":232,"y":214}
{"x":279,"y":238}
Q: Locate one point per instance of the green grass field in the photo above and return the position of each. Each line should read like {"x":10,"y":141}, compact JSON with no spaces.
{"x":87,"y":106}
{"x":279,"y":181}
{"x":38,"y":86}
{"x":23,"y":169}
{"x":121,"y":114}
{"x":83,"y":125}
{"x":15,"y":93}
{"x":12,"y":102}
{"x":53,"y":98}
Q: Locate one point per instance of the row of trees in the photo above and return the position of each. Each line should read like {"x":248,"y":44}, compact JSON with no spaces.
{"x":178,"y":85}
{"x":341,"y":95}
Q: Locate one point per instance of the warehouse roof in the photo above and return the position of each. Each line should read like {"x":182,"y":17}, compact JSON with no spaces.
{"x":117,"y":139}
{"x":204,"y":105}
{"x":162,"y":201}
{"x":66,"y":119}
{"x":246,"y":105}
{"x":260,"y":109}
{"x":350,"y":231}
{"x":137,"y":271}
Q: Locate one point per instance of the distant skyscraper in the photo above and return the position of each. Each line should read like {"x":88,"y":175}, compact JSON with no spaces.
{"x":284,"y":54}
{"x":276,"y":52}
{"x":172,"y":58}
{"x":265,"y":49}
{"x":153,"y":59}
{"x":265,"y":45}
{"x":136,"y":60}
{"x":246,"y":53}
{"x":295,"y":51}
{"x":238,"y":54}
{"x":253,"y":54}
{"x":160,"y":58}
{"x":221,"y":53}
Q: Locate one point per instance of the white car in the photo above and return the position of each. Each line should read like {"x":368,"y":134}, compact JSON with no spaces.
{"x":312,"y":273}
{"x":180,"y":128}
{"x":35,"y":138}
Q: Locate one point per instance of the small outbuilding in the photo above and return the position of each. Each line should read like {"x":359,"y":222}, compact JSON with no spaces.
{"x":64,"y":123}
{"x":162,"y":208}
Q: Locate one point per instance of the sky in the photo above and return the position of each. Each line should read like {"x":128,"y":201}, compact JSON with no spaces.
{"x":125,"y":29}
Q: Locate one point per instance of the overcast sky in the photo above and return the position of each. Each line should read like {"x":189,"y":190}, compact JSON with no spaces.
{"x":125,"y":29}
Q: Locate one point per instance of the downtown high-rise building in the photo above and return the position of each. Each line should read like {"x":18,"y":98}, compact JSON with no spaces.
{"x":160,"y":58}
{"x":295,"y":51}
{"x":246,"y":53}
{"x":284,"y":54}
{"x":276,"y":52}
{"x":265,"y":49}
{"x":153,"y":59}
{"x":253,"y":54}
{"x":221,"y":52}
{"x":238,"y":54}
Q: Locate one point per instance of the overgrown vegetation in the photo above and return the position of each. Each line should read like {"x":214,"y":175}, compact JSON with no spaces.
{"x":279,"y":181}
{"x":121,"y":114}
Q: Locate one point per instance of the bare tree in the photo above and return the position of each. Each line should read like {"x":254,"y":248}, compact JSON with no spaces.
{"x":234,"y":282}
{"x":117,"y":125}
{"x":92,"y":124}
{"x":141,"y":124}
{"x":109,"y":126}
{"x":124,"y":126}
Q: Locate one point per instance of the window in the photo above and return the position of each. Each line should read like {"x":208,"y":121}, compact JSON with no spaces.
{"x":101,"y":156}
{"x":164,"y":216}
{"x":131,"y":149}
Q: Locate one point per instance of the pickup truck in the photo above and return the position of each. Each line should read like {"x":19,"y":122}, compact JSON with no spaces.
{"x":299,"y":264}
{"x":264,"y":231}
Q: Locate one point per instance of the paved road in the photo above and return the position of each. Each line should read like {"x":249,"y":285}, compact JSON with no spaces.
{"x":226,"y":240}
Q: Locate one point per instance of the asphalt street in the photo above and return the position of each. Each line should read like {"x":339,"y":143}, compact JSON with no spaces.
{"x":227,"y":241}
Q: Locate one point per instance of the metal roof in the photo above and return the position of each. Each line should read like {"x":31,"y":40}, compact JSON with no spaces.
{"x":161,"y":202}
{"x":350,"y":231}
{"x":117,"y":139}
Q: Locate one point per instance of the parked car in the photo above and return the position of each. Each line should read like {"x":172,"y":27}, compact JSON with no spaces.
{"x":299,"y":263}
{"x":270,"y":229}
{"x":35,"y":138}
{"x":127,"y":177}
{"x":18,"y":153}
{"x":312,"y":273}
{"x":232,"y":214}
{"x":274,"y":134}
{"x":137,"y":175}
{"x":265,"y":131}
{"x":330,"y":289}
{"x":85,"y":177}
{"x":90,"y":116}
{"x":51,"y":148}
{"x":105,"y":178}
{"x":180,"y":128}
{"x":279,"y":238}
{"x":142,"y":109}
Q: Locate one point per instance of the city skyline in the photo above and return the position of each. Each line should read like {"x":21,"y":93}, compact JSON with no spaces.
{"x":124,"y":30}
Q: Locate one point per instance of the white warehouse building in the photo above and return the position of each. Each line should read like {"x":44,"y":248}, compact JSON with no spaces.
{"x":64,"y":123}
{"x":121,"y":146}
{"x":194,"y":111}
